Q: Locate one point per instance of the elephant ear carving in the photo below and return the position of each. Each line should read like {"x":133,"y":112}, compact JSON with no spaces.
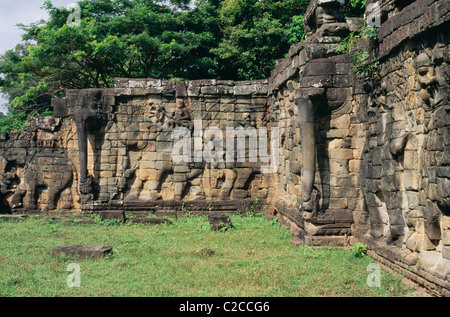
{"x":340,"y":103}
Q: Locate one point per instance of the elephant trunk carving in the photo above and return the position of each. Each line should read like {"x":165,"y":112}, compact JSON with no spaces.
{"x":91,"y":110}
{"x":321,"y":92}
{"x":85,"y":185}
{"x":307,"y":131}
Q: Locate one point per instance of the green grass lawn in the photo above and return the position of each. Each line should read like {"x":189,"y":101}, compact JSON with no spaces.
{"x":255,"y":258}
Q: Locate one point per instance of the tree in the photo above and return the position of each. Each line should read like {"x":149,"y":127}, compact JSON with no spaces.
{"x":118,"y":38}
{"x":255,"y":34}
{"x":168,"y":39}
{"x":28,"y":96}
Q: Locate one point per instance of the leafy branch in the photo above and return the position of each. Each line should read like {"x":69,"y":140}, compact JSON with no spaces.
{"x":364,"y":64}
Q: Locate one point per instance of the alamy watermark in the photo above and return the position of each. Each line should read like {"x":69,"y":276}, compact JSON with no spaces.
{"x":214,"y":145}
{"x":374,"y":278}
{"x":74,"y":279}
{"x":373,"y":14}
{"x":74,"y":18}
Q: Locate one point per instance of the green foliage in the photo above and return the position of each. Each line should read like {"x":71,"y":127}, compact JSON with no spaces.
{"x":355,"y":38}
{"x":16,"y":121}
{"x":255,"y":34}
{"x":176,"y":39}
{"x":364,"y":64}
{"x":13,"y":122}
{"x":296,"y":30}
{"x":28,"y":96}
{"x":119,"y":38}
{"x":354,"y":8}
{"x":358,"y":250}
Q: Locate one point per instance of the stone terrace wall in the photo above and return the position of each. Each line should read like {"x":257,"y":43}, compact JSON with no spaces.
{"x":129,"y":155}
{"x":312,"y":71}
{"x":405,"y":172}
{"x":38,"y":167}
{"x":347,"y":157}
{"x":147,"y":113}
{"x":382,"y":151}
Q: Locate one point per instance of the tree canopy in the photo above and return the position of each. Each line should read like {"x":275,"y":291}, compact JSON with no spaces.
{"x":176,"y":39}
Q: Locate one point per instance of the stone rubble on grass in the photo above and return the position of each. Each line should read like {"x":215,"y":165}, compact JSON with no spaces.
{"x":13,"y":217}
{"x":219,"y":221}
{"x":82,"y":251}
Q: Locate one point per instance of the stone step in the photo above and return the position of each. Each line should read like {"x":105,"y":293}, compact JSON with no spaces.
{"x":326,"y":240}
{"x":333,"y":216}
{"x":195,"y":207}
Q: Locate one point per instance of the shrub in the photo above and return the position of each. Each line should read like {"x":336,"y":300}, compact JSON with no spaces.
{"x":358,"y":250}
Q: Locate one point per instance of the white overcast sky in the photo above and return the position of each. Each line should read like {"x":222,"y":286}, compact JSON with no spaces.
{"x":13,"y":12}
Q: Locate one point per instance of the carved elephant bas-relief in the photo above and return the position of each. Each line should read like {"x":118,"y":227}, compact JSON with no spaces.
{"x":407,"y":192}
{"x":55,"y":179}
{"x":317,"y":95}
{"x":92,"y":109}
{"x":34,"y":172}
{"x":432,"y":82}
{"x":8,"y":185}
{"x":26,"y":181}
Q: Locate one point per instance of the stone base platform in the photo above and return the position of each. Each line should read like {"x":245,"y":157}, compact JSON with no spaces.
{"x":328,"y":227}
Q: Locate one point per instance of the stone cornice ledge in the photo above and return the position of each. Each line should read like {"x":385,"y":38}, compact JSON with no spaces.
{"x":414,"y":19}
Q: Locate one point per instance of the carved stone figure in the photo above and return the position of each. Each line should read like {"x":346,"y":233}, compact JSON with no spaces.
{"x":34,"y":178}
{"x":317,"y":95}
{"x":26,"y":182}
{"x":180,"y":117}
{"x":324,"y":20}
{"x":91,"y":108}
{"x":428,"y":79}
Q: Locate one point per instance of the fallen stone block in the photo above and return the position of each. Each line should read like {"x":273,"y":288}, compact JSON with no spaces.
{"x":204,"y":251}
{"x":82,"y":251}
{"x":219,"y":221}
{"x":13,"y":217}
{"x":112,"y":215}
{"x":151,"y":221}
